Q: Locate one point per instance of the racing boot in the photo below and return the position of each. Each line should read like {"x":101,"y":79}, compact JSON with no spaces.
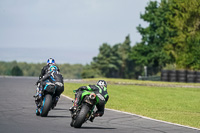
{"x":72,"y":109}
{"x":75,"y":105}
{"x":55,"y":102}
{"x":93,"y":116}
{"x":37,"y":112}
{"x":38,"y":97}
{"x":38,"y":93}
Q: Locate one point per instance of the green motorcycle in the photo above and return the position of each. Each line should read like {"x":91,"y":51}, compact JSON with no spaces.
{"x":85,"y":109}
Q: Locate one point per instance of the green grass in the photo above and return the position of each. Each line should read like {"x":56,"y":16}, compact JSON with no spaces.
{"x":144,"y":83}
{"x":172,"y":104}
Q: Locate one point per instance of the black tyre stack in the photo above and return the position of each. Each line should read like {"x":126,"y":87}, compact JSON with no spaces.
{"x":197,"y":77}
{"x":181,"y":75}
{"x":165,"y":75}
{"x":191,"y":76}
{"x":172,"y":76}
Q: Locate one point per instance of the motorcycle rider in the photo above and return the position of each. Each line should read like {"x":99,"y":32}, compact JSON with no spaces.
{"x":56,"y":80}
{"x":101,"y":88}
{"x":45,"y":70}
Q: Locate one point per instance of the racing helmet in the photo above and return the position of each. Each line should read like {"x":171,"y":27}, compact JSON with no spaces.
{"x":53,"y":68}
{"x":51,"y":61}
{"x":102,"y":83}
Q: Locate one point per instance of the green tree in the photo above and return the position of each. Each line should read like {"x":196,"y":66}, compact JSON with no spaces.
{"x":105,"y":62}
{"x":31,"y":69}
{"x":89,"y":72}
{"x":150,"y":51}
{"x":16,"y":71}
{"x":185,"y":19}
{"x":125,"y":63}
{"x":114,"y":61}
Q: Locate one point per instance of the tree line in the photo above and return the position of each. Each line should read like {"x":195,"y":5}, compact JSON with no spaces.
{"x":15,"y":68}
{"x":171,"y":39}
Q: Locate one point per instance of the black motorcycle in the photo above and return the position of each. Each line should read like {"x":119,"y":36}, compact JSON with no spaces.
{"x":46,"y":99}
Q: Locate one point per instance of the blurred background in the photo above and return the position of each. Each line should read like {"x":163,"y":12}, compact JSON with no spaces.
{"x":91,"y":39}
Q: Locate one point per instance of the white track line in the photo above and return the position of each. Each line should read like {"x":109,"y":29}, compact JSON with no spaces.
{"x":144,"y":117}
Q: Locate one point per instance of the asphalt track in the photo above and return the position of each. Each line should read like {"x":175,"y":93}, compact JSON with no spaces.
{"x":17,"y":115}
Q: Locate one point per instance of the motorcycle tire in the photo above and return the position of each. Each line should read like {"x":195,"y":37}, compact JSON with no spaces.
{"x":80,"y":119}
{"x":72,"y":123}
{"x":46,"y":105}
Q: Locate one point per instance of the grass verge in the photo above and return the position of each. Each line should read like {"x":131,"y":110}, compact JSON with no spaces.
{"x":173,"y":104}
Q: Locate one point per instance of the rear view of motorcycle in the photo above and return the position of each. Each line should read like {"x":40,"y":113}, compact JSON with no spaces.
{"x":45,"y":99}
{"x":85,"y":109}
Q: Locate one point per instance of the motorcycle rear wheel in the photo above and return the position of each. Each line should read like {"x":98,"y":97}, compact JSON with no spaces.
{"x":80,"y":119}
{"x":46,"y":105}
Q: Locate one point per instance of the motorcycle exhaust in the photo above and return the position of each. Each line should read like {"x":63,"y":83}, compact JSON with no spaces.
{"x":92,"y":96}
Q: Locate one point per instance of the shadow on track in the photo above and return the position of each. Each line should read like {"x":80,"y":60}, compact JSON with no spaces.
{"x":96,"y":128}
{"x":57,"y":116}
{"x":60,"y":109}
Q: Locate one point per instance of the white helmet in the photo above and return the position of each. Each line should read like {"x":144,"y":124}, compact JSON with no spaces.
{"x":102,"y":83}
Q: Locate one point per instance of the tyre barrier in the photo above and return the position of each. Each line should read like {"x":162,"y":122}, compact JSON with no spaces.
{"x":165,"y":75}
{"x":191,"y":76}
{"x":172,"y":76}
{"x":197,"y":77}
{"x":180,"y":76}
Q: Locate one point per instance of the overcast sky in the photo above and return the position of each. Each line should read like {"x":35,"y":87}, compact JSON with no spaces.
{"x":70,"y":31}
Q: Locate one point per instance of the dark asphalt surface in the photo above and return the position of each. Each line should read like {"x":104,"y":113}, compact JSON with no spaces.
{"x":17,"y":115}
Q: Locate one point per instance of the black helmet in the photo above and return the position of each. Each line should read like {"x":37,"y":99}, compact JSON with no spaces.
{"x":102,"y":83}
